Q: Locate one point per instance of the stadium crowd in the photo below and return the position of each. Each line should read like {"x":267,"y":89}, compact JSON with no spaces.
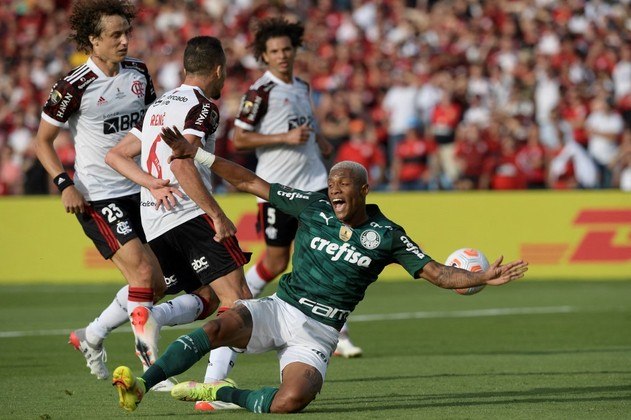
{"x":449,"y":94}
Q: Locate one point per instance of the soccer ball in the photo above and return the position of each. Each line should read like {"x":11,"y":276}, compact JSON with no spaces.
{"x":468,"y":259}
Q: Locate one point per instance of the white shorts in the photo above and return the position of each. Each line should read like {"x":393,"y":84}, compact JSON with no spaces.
{"x":276,"y":325}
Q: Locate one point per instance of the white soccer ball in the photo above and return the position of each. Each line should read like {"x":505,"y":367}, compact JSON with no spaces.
{"x":468,"y":259}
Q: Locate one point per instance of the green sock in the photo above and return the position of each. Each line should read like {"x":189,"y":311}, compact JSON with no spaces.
{"x":258,"y":401}
{"x":178,"y":357}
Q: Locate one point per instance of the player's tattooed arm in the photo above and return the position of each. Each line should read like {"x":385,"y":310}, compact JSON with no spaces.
{"x":456,"y":278}
{"x":450,"y":277}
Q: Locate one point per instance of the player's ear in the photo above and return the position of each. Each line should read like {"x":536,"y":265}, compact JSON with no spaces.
{"x":219,"y":71}
{"x":93,"y":40}
{"x":365,"y":189}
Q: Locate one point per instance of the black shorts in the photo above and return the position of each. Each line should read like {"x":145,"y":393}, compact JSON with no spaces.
{"x":278,"y":227}
{"x":190,"y":257}
{"x":112,"y":222}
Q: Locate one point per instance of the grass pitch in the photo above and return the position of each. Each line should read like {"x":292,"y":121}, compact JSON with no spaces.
{"x":544,"y":350}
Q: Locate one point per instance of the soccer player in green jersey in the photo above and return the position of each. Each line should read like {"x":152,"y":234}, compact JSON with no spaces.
{"x":341,"y":246}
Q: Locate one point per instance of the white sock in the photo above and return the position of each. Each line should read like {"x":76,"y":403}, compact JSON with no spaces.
{"x":112,"y":317}
{"x":220,"y":363}
{"x":344,"y":330}
{"x":255,"y":282}
{"x":183,"y":309}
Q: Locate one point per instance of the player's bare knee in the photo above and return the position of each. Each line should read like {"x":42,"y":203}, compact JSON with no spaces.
{"x":212,"y":329}
{"x":290,"y":401}
{"x":232,"y":328}
{"x":218,"y":333}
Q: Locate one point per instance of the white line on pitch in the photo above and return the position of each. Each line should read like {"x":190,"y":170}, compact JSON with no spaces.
{"x":475,"y":313}
{"x":355,"y":318}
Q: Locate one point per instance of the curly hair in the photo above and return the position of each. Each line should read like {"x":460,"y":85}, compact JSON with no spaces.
{"x":85,"y":19}
{"x":274,"y":28}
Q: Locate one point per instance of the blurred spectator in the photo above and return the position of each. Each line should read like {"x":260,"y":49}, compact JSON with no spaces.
{"x":399,"y":104}
{"x":574,"y":111}
{"x":362,"y":147}
{"x":477,"y":113}
{"x":444,"y":122}
{"x":335,"y":118}
{"x":502,"y":171}
{"x":506,"y":64}
{"x":571,"y":168}
{"x":604,"y":128}
{"x":11,"y":173}
{"x":622,"y":73}
{"x":547,"y":97}
{"x":531,"y":160}
{"x":622,"y":164}
{"x":428,"y":96}
{"x":472,"y":152}
{"x":19,"y":138}
{"x":415,"y":165}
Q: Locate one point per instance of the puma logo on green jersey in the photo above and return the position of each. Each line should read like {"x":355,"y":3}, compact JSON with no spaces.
{"x":344,"y":252}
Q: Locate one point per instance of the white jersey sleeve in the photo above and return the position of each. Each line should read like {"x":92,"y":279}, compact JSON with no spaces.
{"x":99,"y":111}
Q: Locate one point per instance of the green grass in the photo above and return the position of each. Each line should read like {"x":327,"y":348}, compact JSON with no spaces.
{"x":570,"y":361}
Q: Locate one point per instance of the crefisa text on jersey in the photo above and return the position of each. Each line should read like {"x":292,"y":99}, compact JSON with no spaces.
{"x":292,"y":195}
{"x":349,"y":252}
{"x":410,"y":247}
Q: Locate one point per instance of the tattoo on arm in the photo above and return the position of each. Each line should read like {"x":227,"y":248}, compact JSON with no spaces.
{"x":455,"y":278}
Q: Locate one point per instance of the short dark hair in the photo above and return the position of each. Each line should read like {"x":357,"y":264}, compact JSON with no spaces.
{"x":358,"y":171}
{"x":203,"y":54}
{"x":274,"y":28}
{"x":85,"y":19}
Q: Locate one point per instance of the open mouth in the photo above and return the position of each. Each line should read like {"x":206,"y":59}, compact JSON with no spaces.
{"x":338,"y":204}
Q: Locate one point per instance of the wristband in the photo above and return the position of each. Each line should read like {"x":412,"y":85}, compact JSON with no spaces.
{"x":205,"y":158}
{"x":63,"y":181}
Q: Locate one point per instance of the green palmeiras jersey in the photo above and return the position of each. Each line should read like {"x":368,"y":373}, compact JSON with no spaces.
{"x":333,"y":264}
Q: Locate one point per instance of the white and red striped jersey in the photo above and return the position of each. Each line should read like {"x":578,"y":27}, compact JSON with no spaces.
{"x":191,"y":112}
{"x":99,"y":111}
{"x":272,"y":106}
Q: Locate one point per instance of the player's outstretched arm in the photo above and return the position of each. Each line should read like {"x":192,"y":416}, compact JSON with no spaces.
{"x":455,"y":278}
{"x":241,"y":178}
